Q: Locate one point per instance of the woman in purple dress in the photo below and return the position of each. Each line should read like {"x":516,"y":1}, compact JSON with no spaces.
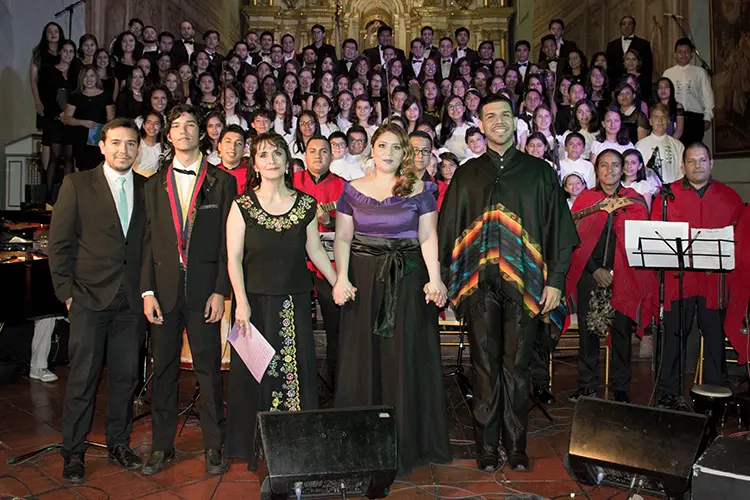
{"x":386,"y":246}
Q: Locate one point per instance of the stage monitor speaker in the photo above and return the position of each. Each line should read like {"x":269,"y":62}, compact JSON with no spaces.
{"x":338,"y":453}
{"x":613,"y":443}
{"x":723,"y":471}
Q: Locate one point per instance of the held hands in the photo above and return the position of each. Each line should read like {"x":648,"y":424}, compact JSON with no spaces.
{"x":152,"y":310}
{"x":436,"y":292}
{"x":603,"y":278}
{"x":68,"y":302}
{"x":343,"y":291}
{"x":242,"y":317}
{"x":550,"y":299}
{"x":323,"y":217}
{"x":214,"y":308}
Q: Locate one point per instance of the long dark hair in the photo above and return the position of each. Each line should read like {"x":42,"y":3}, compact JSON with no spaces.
{"x":593,"y":124}
{"x":299,"y":141}
{"x":287,"y":110}
{"x":641,"y":174}
{"x":85,"y":38}
{"x":623,"y":137}
{"x":353,"y":113}
{"x":43,"y":46}
{"x":547,"y":148}
{"x":254,"y":180}
{"x":448,"y":125}
{"x":206,"y":144}
{"x":174,"y":113}
{"x":672,"y":105}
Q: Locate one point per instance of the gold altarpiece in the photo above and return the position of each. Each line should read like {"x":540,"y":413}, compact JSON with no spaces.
{"x":360,"y":19}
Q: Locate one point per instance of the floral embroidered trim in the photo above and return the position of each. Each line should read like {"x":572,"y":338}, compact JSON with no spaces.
{"x":302,"y":205}
{"x":284,"y":363}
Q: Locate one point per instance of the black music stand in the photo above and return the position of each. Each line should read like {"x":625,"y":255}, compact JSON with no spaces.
{"x":681,"y":249}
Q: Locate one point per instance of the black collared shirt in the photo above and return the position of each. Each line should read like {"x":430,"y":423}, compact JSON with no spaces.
{"x":700,"y":191}
{"x":320,"y":179}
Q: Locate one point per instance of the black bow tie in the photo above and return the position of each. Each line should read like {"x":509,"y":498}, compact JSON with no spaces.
{"x":628,"y":37}
{"x":523,"y":65}
{"x":183,"y":171}
{"x":554,"y":59}
{"x":191,"y":41}
{"x":446,"y":61}
{"x":419,"y":60}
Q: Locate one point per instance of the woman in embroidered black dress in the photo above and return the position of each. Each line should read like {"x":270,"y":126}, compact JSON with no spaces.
{"x":386,"y":245}
{"x":269,"y":229}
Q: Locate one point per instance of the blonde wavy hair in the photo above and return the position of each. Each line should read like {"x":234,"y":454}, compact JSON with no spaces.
{"x":405,"y":176}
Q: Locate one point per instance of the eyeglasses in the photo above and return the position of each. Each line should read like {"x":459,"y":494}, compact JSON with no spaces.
{"x":306,"y":124}
{"x":451,"y":107}
{"x":338,"y":145}
{"x":422,"y":152}
{"x":358,"y":141}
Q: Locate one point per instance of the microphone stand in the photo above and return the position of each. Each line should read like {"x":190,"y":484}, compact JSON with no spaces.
{"x":704,"y":64}
{"x":70,"y":9}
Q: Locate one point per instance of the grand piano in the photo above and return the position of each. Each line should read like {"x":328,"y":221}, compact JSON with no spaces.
{"x":26,"y":291}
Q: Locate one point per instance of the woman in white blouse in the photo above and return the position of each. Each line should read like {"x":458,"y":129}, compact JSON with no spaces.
{"x":451,"y":131}
{"x":147,"y":163}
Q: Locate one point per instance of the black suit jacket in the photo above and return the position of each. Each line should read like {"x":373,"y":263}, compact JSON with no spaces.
{"x":439,"y":76}
{"x":471,"y":54}
{"x":180,"y":53}
{"x":324,"y":50}
{"x":565,"y":49}
{"x":616,"y":66}
{"x":373,"y":55}
{"x":342,"y":67}
{"x":206,"y":248}
{"x":89,"y":257}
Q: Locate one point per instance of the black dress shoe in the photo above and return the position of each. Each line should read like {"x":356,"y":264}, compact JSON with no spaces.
{"x":157,"y":461}
{"x":580,"y":393}
{"x":215,"y":463}
{"x":544,"y":395}
{"x":667,"y":401}
{"x":622,"y":397}
{"x":126,"y":457}
{"x":488,"y":462}
{"x":74,"y":470}
{"x":519,"y":461}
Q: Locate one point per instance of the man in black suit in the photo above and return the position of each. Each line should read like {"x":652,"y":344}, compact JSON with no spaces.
{"x":486,"y":56}
{"x":446,"y":62}
{"x":375,"y":54}
{"x":95,"y":260}
{"x":616,"y":52}
{"x":164,"y":46}
{"x":184,"y":281}
{"x":462,"y":49}
{"x":428,"y":34}
{"x":413,"y":67}
{"x":212,"y":38}
{"x":523,"y":49}
{"x":184,"y":48}
{"x":562,"y":47}
{"x":349,"y":49}
{"x":321,"y":48}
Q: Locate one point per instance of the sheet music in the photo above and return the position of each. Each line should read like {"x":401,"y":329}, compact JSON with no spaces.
{"x":645,"y":236}
{"x":253,"y":348}
{"x":700,"y":245}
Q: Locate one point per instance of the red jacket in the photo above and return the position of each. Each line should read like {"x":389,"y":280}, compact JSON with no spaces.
{"x":632,"y":287}
{"x":328,"y":190}
{"x":738,"y":282}
{"x":240,"y":172}
{"x":719,"y":207}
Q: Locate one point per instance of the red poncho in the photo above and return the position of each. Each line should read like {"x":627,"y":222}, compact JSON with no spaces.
{"x":632,"y":287}
{"x":719,"y":207}
{"x":738,"y":283}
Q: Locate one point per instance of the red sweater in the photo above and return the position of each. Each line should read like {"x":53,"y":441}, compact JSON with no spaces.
{"x":631,"y":287}
{"x":239,"y":173}
{"x":719,"y":207}
{"x":328,"y":190}
{"x":738,"y":282}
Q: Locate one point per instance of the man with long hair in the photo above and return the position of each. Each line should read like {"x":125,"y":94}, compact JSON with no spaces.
{"x":184,"y":281}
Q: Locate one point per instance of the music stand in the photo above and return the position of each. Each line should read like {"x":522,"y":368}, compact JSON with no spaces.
{"x":666,"y":246}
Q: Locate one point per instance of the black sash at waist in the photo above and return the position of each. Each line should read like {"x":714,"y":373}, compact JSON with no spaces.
{"x":396,"y":257}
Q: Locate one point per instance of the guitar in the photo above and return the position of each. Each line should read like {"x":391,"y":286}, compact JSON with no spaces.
{"x":327,"y":207}
{"x":608,"y":205}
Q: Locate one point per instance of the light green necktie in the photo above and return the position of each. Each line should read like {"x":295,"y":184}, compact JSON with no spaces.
{"x":122,"y":205}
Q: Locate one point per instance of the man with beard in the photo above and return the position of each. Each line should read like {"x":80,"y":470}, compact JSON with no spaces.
{"x":95,"y":259}
{"x":506,"y":237}
{"x":184,"y":48}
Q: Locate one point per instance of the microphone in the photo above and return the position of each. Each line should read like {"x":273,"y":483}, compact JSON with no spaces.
{"x":669,"y":14}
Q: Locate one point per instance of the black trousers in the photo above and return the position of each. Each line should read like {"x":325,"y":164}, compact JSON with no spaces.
{"x":711,"y":324}
{"x":540,"y":358}
{"x":114,"y":334}
{"x":205,"y":346}
{"x":588,"y":346}
{"x":330,"y":312}
{"x":502,"y":340}
{"x":693,"y":130}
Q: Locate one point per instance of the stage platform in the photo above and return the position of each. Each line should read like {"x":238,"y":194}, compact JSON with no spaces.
{"x":31,"y":413}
